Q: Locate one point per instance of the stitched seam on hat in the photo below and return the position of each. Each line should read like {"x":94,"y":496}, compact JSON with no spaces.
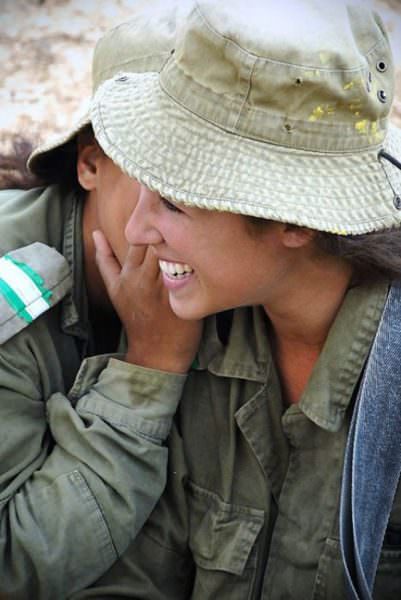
{"x":129,"y":60}
{"x":224,"y":37}
{"x":279,"y":62}
{"x":246,"y":95}
{"x":382,"y":42}
{"x":185,"y":107}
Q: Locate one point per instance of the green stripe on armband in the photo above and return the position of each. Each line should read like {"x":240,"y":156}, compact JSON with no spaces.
{"x":23,"y":288}
{"x":14,"y":301}
{"x":35,"y":277}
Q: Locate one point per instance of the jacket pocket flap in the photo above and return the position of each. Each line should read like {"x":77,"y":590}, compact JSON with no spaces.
{"x":222,"y":535}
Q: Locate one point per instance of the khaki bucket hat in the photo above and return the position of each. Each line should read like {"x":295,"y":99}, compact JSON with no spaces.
{"x":277,"y":110}
{"x":141,"y":44}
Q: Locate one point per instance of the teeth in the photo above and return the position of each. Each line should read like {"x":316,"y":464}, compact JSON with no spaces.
{"x":174,"y":269}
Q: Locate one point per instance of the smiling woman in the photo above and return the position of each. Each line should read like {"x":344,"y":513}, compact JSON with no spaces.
{"x":269,"y":182}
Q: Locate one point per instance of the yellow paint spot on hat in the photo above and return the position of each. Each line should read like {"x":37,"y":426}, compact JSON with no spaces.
{"x":349,"y":85}
{"x":316,"y":114}
{"x":376,"y":134}
{"x":362,"y":126}
{"x":320,"y":111}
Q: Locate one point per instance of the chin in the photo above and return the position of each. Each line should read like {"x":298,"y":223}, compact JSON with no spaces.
{"x":187,"y":312}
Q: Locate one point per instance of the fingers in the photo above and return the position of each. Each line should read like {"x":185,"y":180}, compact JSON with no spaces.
{"x":151,"y":262}
{"x":144,"y":259}
{"x":107,"y":263}
{"x":135,"y":256}
{"x":101,"y":244}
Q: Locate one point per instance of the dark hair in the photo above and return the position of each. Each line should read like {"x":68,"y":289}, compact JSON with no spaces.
{"x":371,"y":254}
{"x":60,"y":164}
{"x":14,"y":173}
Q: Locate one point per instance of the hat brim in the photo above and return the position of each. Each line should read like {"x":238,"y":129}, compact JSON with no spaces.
{"x":48,"y":156}
{"x":192,"y":161}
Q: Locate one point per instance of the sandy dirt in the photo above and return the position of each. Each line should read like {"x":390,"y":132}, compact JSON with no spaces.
{"x":45,"y":56}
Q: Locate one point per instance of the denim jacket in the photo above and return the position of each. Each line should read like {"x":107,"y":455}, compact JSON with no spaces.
{"x":372,"y":462}
{"x":82,"y":454}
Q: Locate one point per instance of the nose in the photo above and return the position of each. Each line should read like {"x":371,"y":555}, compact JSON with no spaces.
{"x":141,"y":228}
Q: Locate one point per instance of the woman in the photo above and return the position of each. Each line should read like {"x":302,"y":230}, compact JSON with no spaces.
{"x":270,"y":181}
{"x":83,"y":458}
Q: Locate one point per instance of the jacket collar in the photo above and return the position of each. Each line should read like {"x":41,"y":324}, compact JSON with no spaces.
{"x":237,"y":359}
{"x":339,"y":367}
{"x":74,"y":317}
{"x":247,"y":354}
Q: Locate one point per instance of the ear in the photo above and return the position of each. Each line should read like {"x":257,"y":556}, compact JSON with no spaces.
{"x":294,"y":236}
{"x":89,"y":155}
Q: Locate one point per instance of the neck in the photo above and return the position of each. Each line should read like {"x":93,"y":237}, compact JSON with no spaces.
{"x":302,"y":321}
{"x":308,"y":306}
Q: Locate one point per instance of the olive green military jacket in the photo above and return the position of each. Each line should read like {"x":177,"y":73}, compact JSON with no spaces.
{"x":251,"y":506}
{"x":82,"y":459}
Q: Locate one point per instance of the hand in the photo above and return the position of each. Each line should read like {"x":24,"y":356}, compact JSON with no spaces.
{"x":157,"y":338}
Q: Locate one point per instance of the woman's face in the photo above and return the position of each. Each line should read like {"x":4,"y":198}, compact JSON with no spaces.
{"x":210,"y":260}
{"x":112,"y":198}
{"x":117,"y":195}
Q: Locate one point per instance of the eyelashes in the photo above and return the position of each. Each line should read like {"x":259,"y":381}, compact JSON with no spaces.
{"x":169,"y":205}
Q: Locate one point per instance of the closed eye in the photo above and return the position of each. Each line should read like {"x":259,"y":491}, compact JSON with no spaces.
{"x":169,"y":205}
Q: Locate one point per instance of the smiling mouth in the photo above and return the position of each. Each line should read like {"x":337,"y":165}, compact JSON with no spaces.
{"x":175,"y":270}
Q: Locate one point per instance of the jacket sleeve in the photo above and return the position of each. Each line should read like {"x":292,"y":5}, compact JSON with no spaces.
{"x":79,"y":474}
{"x":158,"y":565}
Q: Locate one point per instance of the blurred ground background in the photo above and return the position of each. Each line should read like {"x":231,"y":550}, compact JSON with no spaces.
{"x":46,"y":51}
{"x":45,"y":60}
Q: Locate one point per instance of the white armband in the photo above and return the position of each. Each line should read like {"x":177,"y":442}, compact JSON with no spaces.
{"x":32,"y":280}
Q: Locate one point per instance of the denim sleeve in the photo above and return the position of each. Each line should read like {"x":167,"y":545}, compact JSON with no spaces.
{"x":79,"y":473}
